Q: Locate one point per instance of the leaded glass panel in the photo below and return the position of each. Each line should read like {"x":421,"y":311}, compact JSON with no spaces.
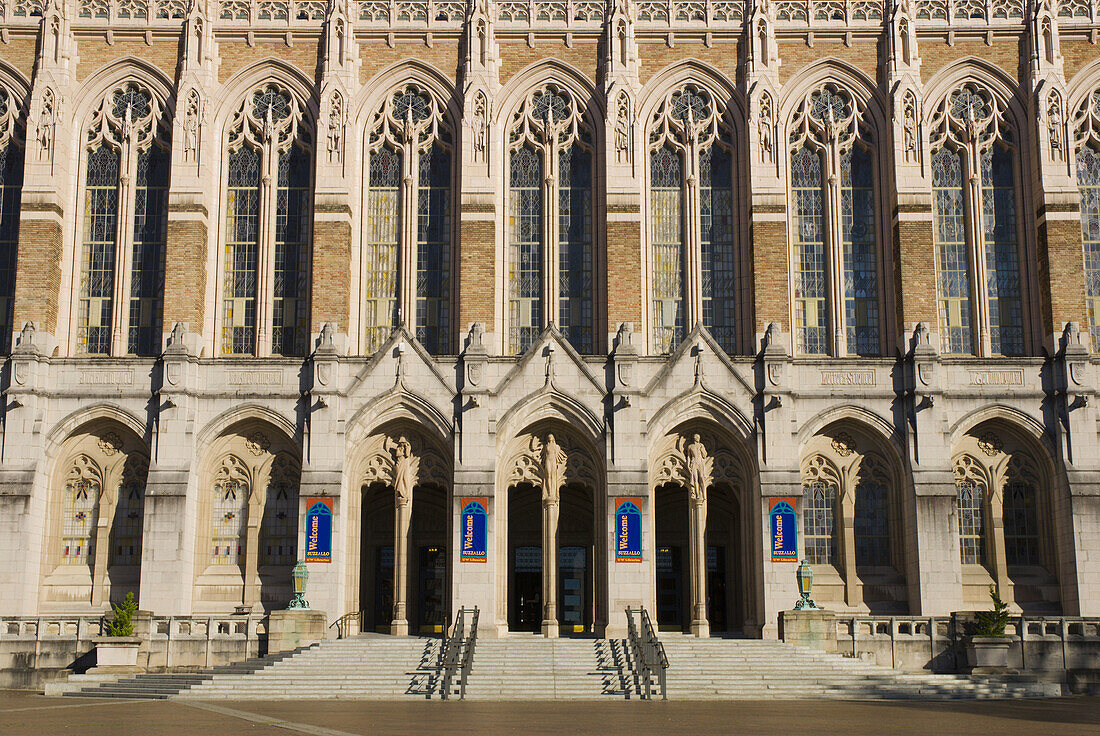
{"x":79,"y":516}
{"x":1021,"y":524}
{"x":971,"y":522}
{"x":719,"y":259}
{"x":576,"y":286}
{"x":819,"y":522}
{"x":280,"y":525}
{"x":433,"y":253}
{"x":1002,"y":252}
{"x":952,"y":254}
{"x":1088,"y":180}
{"x":666,"y":248}
{"x":290,"y":315}
{"x":525,"y":249}
{"x":241,"y":252}
{"x":380,"y":250}
{"x":11,"y":184}
{"x":98,"y":251}
{"x":147,"y":266}
{"x":228,"y":518}
{"x":126,"y":531}
{"x":872,"y":526}
{"x":811,"y":317}
{"x":859,"y":252}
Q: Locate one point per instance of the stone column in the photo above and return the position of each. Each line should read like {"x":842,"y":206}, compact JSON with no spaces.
{"x":405,"y":469}
{"x":700,"y":472}
{"x":553,"y":477}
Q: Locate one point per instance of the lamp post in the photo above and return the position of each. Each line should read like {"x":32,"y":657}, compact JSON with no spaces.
{"x":805,"y":584}
{"x":299,"y":577}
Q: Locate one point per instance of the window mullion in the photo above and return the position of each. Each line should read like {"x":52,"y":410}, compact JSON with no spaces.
{"x":550,"y":233}
{"x":834,"y":265}
{"x":693,"y":227}
{"x":265,"y":258}
{"x":407,"y":248}
{"x":976,"y":244}
{"x":124,"y":247}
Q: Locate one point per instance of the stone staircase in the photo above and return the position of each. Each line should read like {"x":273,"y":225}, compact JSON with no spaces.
{"x":527,"y":667}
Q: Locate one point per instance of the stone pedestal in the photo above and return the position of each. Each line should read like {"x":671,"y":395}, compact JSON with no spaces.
{"x":291,"y":629}
{"x":815,"y":629}
{"x":116,"y":654}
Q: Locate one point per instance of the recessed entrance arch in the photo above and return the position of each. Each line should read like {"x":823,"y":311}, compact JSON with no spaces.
{"x":701,"y":529}
{"x":404,"y":559}
{"x":554,"y":555}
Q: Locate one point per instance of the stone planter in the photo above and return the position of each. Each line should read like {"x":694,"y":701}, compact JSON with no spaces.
{"x":116,"y":654}
{"x":987,"y":655}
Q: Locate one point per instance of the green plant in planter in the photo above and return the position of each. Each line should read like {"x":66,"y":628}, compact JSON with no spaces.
{"x":993,"y":623}
{"x":123,"y":622}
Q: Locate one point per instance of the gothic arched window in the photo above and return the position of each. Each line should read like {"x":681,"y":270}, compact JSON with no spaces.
{"x":229,"y":512}
{"x":407,"y":253}
{"x":121,"y":259}
{"x":265,"y":290}
{"x":279,"y":532}
{"x":550,"y":232}
{"x":872,"y":519}
{"x":835,"y":258}
{"x":692,"y":254}
{"x":977,"y":245}
{"x":80,"y":511}
{"x":11,"y":185}
{"x":126,"y":531}
{"x":819,"y":522}
{"x":1087,"y":138}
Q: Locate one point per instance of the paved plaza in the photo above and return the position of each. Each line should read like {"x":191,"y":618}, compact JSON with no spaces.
{"x":27,"y":714}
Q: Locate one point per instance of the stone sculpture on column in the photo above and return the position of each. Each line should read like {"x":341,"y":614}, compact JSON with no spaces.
{"x":553,"y":462}
{"x":700,"y":473}
{"x":406,"y":468}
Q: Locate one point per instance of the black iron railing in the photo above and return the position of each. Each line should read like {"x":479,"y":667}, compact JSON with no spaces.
{"x":648,"y":653}
{"x":457,"y":655}
{"x":348,"y":624}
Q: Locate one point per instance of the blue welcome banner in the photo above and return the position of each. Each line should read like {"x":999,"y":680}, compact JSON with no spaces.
{"x":784,"y":530}
{"x":475,"y":515}
{"x":628,"y":530}
{"x":319,"y":530}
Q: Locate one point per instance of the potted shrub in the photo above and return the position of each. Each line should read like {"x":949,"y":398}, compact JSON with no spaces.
{"x":117,"y":650}
{"x":987,"y":649}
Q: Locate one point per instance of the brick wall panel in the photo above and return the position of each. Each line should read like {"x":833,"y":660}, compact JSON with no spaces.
{"x":96,"y":53}
{"x":38,"y":274}
{"x":1061,"y":275}
{"x":236,"y":56}
{"x":914,"y":280}
{"x":331,"y":283}
{"x":771,"y":268}
{"x":185,"y":274}
{"x":624,"y":273}
{"x":476,"y":273}
{"x":374,"y":56}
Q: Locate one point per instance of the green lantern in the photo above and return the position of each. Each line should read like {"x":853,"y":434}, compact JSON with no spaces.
{"x":805,"y":585}
{"x":299,"y":577}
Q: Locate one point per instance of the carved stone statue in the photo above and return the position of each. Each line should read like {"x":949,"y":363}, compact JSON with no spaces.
{"x":700,"y":467}
{"x":406,"y":467}
{"x":553,"y":470}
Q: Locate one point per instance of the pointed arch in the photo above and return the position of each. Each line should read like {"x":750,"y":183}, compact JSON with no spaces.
{"x":1083,"y":83}
{"x":836,"y":71}
{"x":242,"y":413}
{"x":695,"y":71}
{"x":70,"y":424}
{"x":545,"y":71}
{"x":270,"y":69}
{"x":394,"y":406}
{"x":406,"y":71}
{"x":15,"y":81}
{"x":706,"y":406}
{"x":550,"y":405}
{"x":876,"y":424}
{"x":984,"y":72}
{"x":118,"y":71}
{"x":1031,"y":429}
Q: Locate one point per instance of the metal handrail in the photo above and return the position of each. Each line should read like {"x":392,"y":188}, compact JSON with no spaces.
{"x":343,"y":623}
{"x":649,"y":653}
{"x":457,"y":653}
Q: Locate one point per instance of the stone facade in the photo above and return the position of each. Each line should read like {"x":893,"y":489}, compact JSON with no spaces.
{"x":936,"y":429}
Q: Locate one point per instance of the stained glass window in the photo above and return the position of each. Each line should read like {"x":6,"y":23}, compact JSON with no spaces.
{"x":1021,"y":524}
{"x":819,"y":522}
{"x":228,"y":519}
{"x":290,"y":316}
{"x":666,"y":248}
{"x":1088,"y":179}
{"x":147,"y":268}
{"x":971,"y":522}
{"x":380,"y":251}
{"x":98,"y":251}
{"x":79,"y":515}
{"x":11,"y":184}
{"x":126,"y":531}
{"x":575,"y":248}
{"x":872,"y":524}
{"x":242,"y":242}
{"x":811,"y":321}
{"x":952,"y":254}
{"x":279,"y":539}
{"x":1002,"y":252}
{"x":858,"y":243}
{"x":719,"y":267}
{"x":433,"y":252}
{"x":525,"y":249}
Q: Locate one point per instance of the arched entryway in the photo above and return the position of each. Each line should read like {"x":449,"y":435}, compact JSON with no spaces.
{"x":404,"y":529}
{"x":554,"y":556}
{"x":701,"y":530}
